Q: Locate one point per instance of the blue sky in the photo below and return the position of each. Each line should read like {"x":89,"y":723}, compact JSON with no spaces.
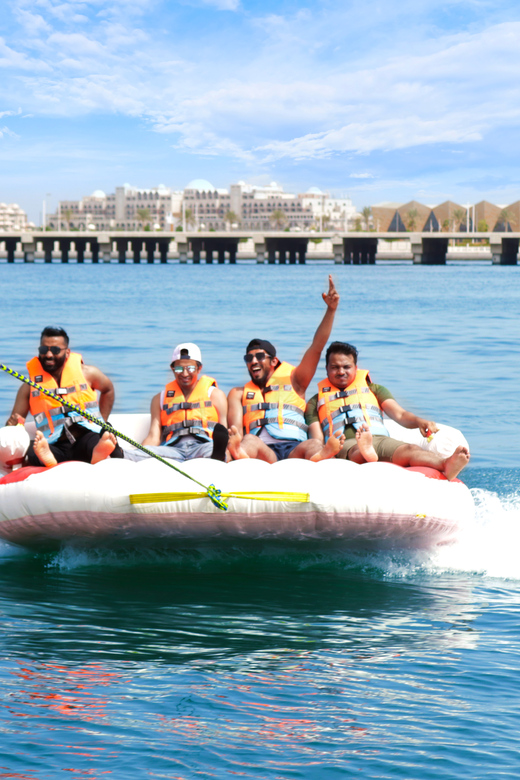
{"x":378,"y":100}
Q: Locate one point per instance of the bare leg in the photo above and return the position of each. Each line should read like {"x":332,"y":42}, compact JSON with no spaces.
{"x":104,"y":448}
{"x":330,"y":449}
{"x":412,"y":455}
{"x":456,"y":462}
{"x":364,"y":440}
{"x":43,"y":451}
{"x":252,"y":447}
{"x":234,"y":444}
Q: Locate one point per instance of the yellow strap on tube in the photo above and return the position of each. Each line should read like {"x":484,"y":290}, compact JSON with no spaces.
{"x":157,"y":498}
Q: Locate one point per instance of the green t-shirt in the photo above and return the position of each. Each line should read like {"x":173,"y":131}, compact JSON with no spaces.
{"x":311,"y":412}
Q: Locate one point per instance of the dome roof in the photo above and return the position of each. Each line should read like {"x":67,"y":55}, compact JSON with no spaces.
{"x":98,"y":194}
{"x":202,"y":185}
{"x":314,"y":191}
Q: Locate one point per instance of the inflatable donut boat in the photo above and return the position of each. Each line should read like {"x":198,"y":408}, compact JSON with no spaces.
{"x":120,"y":502}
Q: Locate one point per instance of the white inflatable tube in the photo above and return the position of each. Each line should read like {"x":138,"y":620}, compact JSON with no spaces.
{"x":374,"y":505}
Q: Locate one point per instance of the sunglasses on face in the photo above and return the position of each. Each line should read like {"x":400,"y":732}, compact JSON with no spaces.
{"x":258,"y":355}
{"x":180,"y":369}
{"x":55,"y":350}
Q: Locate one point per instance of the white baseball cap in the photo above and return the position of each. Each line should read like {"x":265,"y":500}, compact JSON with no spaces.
{"x":191,"y":352}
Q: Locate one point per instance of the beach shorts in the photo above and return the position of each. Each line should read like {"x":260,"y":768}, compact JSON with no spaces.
{"x":187,"y":449}
{"x":283,"y":449}
{"x":384,"y":446}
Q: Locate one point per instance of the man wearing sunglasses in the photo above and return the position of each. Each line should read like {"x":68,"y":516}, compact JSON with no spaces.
{"x":266,"y":415}
{"x":64,"y":435}
{"x":189,"y":417}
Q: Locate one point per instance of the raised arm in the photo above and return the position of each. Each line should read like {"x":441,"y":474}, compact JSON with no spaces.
{"x":408,"y":419}
{"x":21,"y":406}
{"x":303,"y":374}
{"x":98,"y":381}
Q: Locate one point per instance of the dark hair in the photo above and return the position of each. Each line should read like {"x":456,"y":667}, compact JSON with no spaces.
{"x":52,"y":331}
{"x":341,"y":348}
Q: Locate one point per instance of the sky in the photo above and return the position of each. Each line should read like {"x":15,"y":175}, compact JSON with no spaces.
{"x":377,"y":100}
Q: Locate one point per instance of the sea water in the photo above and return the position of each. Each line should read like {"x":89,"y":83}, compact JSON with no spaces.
{"x":274,"y":662}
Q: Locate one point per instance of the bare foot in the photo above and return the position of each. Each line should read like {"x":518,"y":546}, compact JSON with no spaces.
{"x":364,"y":440}
{"x":234,"y":444}
{"x":104,"y":448}
{"x":43,"y":451}
{"x":456,"y":462}
{"x":330,"y":449}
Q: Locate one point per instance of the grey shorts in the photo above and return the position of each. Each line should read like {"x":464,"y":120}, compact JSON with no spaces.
{"x":184,"y":450}
{"x":384,"y":446}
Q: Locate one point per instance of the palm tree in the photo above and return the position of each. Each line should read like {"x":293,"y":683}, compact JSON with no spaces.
{"x":482,"y":226}
{"x":506,"y":219}
{"x":67,"y":214}
{"x":143,"y":216}
{"x":278,"y":218}
{"x":367,"y":213}
{"x":446,"y":225}
{"x":411,"y":217}
{"x":231,"y":218}
{"x":459,"y":215}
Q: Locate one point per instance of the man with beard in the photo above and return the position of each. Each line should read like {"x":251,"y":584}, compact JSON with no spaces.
{"x":266,"y":416}
{"x":64,"y":435}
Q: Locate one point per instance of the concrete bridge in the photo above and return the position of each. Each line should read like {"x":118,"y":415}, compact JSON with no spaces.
{"x":355,"y":248}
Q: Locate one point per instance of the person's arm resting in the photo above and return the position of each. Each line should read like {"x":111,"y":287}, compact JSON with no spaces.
{"x":408,"y":419}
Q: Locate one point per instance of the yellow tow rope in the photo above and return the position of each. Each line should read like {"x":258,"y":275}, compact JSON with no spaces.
{"x":211,"y":492}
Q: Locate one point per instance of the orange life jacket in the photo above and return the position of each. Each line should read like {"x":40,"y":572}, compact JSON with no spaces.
{"x":335,"y":412}
{"x":280,"y":410}
{"x":49,"y":414}
{"x":196,"y":416}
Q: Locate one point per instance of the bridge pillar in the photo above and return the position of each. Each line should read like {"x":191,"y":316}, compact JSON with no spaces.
{"x":28,"y":247}
{"x":338,"y":249}
{"x":182,"y":248}
{"x":149,"y":246}
{"x":429,"y":251}
{"x":221,"y":255}
{"x":233,"y":254}
{"x":360,"y":251}
{"x":122,"y":247}
{"x":137,"y":246}
{"x":10,"y":247}
{"x":80,"y":245}
{"x":271,"y":255}
{"x":504,"y":251}
{"x":104,"y":247}
{"x":164,"y":248}
{"x":260,"y":249}
{"x":64,"y":244}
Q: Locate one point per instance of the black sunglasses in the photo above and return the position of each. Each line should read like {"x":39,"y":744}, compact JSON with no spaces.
{"x":55,"y":350}
{"x":258,"y":355}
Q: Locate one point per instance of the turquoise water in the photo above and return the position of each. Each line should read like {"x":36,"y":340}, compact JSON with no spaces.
{"x":277,"y":662}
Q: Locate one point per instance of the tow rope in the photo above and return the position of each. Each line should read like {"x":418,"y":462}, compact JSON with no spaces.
{"x":214,"y":494}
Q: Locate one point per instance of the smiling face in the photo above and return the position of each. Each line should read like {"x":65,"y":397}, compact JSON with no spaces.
{"x":186,"y":372}
{"x":261,"y":366}
{"x":50,"y":362}
{"x":341,"y":370}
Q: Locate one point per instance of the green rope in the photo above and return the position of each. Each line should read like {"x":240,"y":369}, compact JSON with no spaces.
{"x":212,"y":492}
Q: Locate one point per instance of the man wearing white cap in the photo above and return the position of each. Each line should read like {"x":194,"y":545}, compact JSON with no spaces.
{"x":189,"y":417}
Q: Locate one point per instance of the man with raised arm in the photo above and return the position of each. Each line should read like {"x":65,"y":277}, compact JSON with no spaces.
{"x":64,"y":435}
{"x":189,"y":416}
{"x":266,"y":416}
{"x":349,"y":403}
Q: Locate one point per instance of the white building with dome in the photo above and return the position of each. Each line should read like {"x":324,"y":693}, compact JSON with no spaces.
{"x":201,"y":206}
{"x":12,"y":217}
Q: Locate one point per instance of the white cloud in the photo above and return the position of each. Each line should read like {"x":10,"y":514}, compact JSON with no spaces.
{"x":361,"y":176}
